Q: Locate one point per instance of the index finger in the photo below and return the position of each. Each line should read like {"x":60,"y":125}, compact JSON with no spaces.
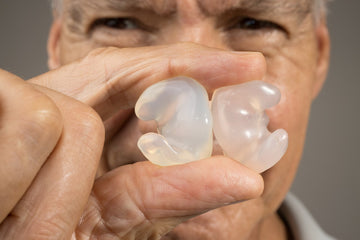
{"x":110,"y":79}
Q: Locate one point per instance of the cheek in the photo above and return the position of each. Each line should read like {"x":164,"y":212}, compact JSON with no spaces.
{"x":72,"y":48}
{"x":295,"y":81}
{"x":294,"y":76}
{"x":292,"y":112}
{"x":292,"y":115}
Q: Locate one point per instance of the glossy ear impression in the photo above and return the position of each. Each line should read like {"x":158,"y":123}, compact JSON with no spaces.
{"x":180,"y":107}
{"x":240,"y":124}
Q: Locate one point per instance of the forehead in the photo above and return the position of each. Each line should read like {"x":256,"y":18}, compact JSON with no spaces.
{"x":209,"y":7}
{"x":214,"y":7}
{"x":159,"y":6}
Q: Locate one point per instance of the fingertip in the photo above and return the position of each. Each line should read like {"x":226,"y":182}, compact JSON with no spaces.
{"x":257,"y":185}
{"x":251,"y":64}
{"x":250,"y":184}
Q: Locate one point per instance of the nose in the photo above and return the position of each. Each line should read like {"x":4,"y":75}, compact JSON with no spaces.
{"x":202,"y":32}
{"x":191,"y":24}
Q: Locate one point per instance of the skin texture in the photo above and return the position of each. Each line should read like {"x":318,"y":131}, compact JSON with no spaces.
{"x":141,"y":200}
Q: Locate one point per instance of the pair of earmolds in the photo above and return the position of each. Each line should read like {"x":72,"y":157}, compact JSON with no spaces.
{"x":180,"y":107}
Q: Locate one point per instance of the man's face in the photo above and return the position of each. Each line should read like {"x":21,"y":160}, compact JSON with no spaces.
{"x":284,"y":31}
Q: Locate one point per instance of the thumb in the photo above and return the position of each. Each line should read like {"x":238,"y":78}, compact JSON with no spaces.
{"x":143,"y":201}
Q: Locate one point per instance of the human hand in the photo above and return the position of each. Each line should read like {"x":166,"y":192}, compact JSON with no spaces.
{"x":48,"y":158}
{"x":140,"y":200}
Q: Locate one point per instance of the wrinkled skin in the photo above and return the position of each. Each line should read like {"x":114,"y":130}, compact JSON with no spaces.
{"x":91,"y":92}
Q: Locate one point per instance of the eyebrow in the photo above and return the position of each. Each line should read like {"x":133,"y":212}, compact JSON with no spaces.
{"x":162,"y":7}
{"x":269,"y":7}
{"x":77,"y":8}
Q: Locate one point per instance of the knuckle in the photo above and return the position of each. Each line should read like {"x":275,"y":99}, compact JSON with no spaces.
{"x":43,"y":116}
{"x":89,"y":123}
{"x":47,"y":115}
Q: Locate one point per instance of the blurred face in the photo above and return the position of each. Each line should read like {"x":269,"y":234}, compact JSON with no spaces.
{"x":284,"y":31}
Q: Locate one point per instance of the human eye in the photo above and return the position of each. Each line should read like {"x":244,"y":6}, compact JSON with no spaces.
{"x":117,"y":23}
{"x":255,"y":34}
{"x":248,"y":23}
{"x":120,"y":32}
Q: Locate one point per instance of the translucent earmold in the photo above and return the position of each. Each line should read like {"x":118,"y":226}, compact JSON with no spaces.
{"x":240,"y":124}
{"x":180,"y":107}
{"x":181,"y":110}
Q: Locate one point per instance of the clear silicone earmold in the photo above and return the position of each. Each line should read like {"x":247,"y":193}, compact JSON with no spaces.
{"x":181,"y":109}
{"x":240,"y":124}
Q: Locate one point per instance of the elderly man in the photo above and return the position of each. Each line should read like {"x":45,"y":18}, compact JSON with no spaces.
{"x":70,"y":168}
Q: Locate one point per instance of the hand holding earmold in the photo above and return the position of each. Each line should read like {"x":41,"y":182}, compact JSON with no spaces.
{"x":181,"y":109}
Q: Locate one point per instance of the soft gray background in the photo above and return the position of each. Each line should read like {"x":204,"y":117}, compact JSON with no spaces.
{"x":328,"y":178}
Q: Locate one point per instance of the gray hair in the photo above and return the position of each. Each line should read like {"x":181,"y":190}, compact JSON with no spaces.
{"x":56,"y":5}
{"x":320,"y":8}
